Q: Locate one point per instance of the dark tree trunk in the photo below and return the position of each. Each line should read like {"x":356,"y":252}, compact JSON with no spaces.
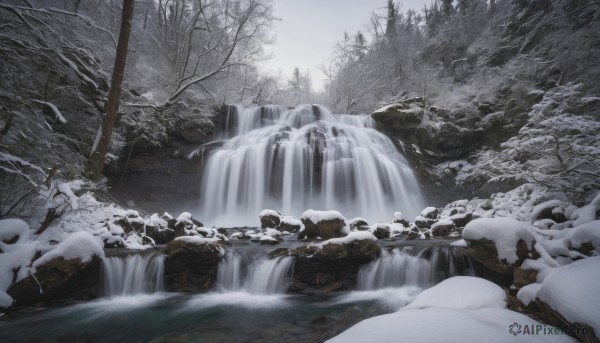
{"x":114,"y":94}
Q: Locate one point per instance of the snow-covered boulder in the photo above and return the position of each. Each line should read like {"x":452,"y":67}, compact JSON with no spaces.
{"x":381,"y":230}
{"x":571,"y":294}
{"x":499,"y":243}
{"x":70,"y":270}
{"x":442,"y":228}
{"x":331,"y":265}
{"x":324,"y":224}
{"x":269,"y":219}
{"x":289,"y":224}
{"x":358,"y":224}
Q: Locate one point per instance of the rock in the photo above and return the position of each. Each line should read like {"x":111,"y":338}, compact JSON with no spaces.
{"x":382,"y":231}
{"x":357,"y":223}
{"x":461,"y":219}
{"x":442,"y":228}
{"x":269,"y":219}
{"x":430,"y":213}
{"x":160,"y":235}
{"x":330,"y":268}
{"x":401,"y":115}
{"x":484,"y":251}
{"x":191,"y":267}
{"x":196,"y":131}
{"x":329,"y":224}
{"x":424,"y":223}
{"x":523,"y":277}
{"x":59,"y":279}
{"x":414,"y":235}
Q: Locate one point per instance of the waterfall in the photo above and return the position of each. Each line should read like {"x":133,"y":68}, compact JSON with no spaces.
{"x":133,"y":274}
{"x":257,"y":275}
{"x":291,"y":160}
{"x":399,"y":268}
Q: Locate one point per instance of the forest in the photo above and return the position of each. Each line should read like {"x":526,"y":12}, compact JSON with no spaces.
{"x":153,"y":170}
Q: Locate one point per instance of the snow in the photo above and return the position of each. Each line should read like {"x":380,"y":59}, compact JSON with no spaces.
{"x":351,"y":237}
{"x":14,"y":257}
{"x":289,"y":220}
{"x":460,"y":243}
{"x":572,"y":291}
{"x":79,"y":245}
{"x":546,"y":204}
{"x":451,"y":325}
{"x":528,"y":293}
{"x":427,"y":211}
{"x":9,"y":228}
{"x":197,"y":240}
{"x":184,"y":217}
{"x":268,"y":239}
{"x":443,"y":222}
{"x":461,"y":292}
{"x":54,"y":110}
{"x":268,"y":212}
{"x":398,"y":216}
{"x":317,"y":216}
{"x":504,"y":232}
{"x":588,"y":232}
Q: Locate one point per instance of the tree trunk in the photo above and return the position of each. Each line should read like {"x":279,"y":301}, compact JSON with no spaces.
{"x":114,"y":94}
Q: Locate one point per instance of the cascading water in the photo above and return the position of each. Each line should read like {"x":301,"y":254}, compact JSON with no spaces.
{"x":238,"y":271}
{"x":133,"y":274}
{"x":291,"y":160}
{"x":398,"y":268}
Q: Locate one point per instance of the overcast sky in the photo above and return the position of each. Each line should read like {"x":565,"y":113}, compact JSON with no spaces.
{"x":309,"y":29}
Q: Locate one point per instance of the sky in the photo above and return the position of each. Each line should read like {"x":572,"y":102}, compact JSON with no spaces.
{"x":308,"y":30}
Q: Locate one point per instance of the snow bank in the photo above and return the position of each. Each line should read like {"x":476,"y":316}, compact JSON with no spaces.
{"x":449,"y":325}
{"x":14,"y":257}
{"x":79,"y":245}
{"x":572,"y":291}
{"x":461,"y":292}
{"x":504,"y":232}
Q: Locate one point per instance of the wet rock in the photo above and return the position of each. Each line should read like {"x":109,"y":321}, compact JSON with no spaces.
{"x":329,"y":268}
{"x":191,"y":267}
{"x":59,"y":279}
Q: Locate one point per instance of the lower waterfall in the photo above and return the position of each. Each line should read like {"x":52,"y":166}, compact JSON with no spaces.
{"x":132,"y":274}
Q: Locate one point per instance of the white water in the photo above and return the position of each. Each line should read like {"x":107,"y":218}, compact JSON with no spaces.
{"x":238,"y":272}
{"x":398,"y":268}
{"x":133,"y":274}
{"x":293,"y":160}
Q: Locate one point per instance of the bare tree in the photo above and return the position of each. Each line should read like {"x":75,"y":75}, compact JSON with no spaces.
{"x":102,"y":142}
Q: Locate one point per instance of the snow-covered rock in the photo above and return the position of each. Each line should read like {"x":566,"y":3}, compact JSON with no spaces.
{"x":269,"y":218}
{"x":572,"y":291}
{"x":324,"y":224}
{"x":512,"y":240}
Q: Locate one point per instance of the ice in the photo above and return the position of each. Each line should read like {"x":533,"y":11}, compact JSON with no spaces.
{"x":504,"y":232}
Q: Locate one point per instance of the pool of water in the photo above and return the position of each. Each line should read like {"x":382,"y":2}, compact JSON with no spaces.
{"x":210,"y":317}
